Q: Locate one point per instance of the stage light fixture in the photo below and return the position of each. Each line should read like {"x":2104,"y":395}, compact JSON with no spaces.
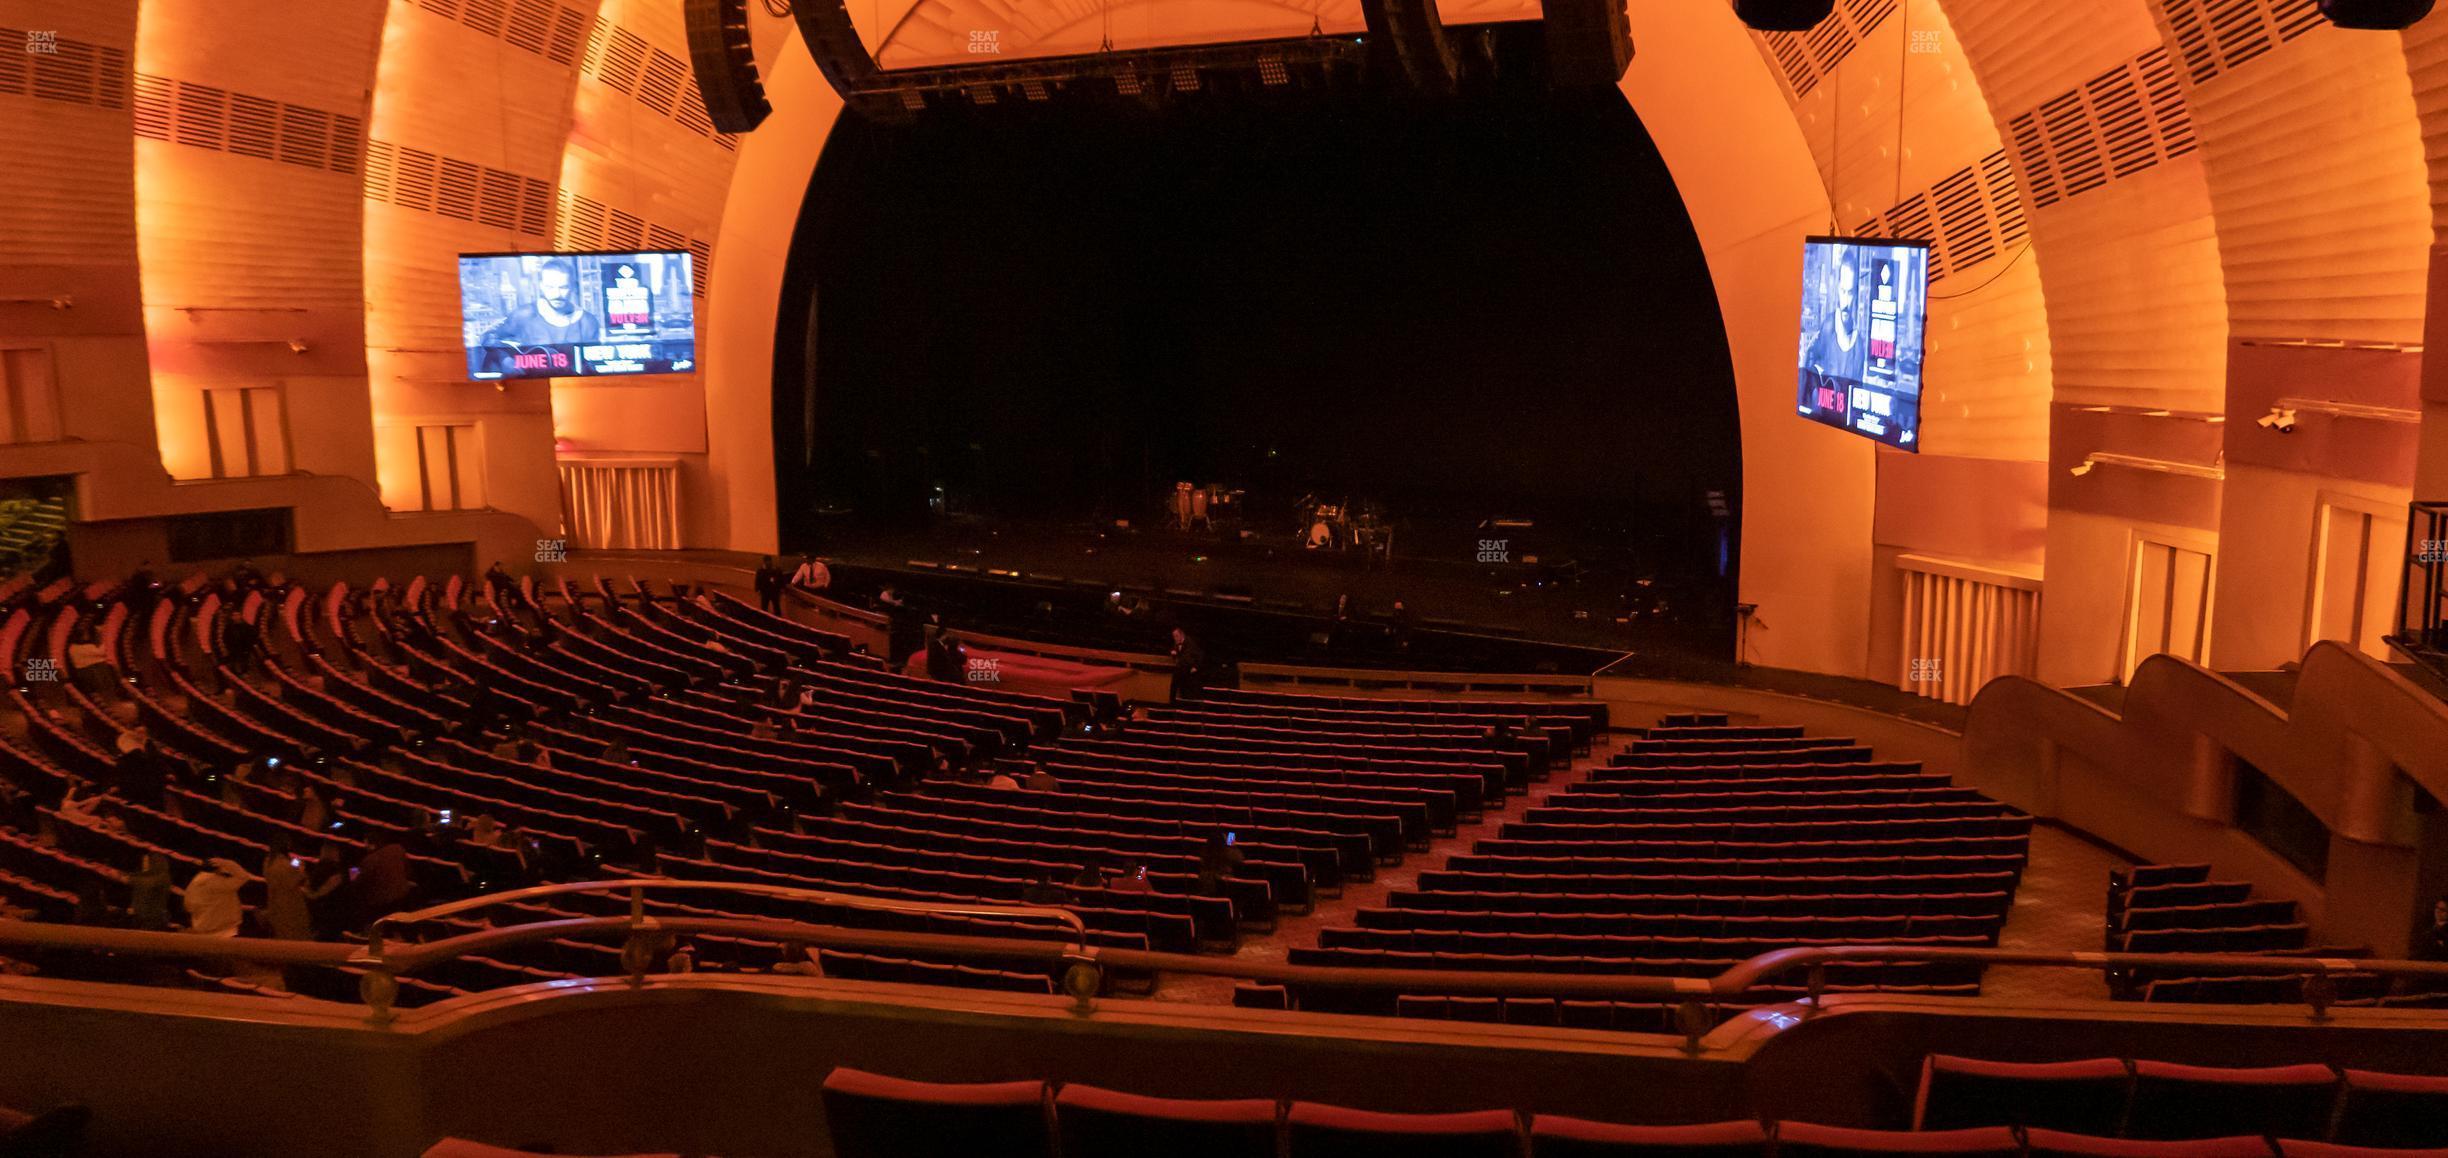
{"x":2382,"y":15}
{"x":2082,"y":468}
{"x":2279,"y":419}
{"x":1783,"y":15}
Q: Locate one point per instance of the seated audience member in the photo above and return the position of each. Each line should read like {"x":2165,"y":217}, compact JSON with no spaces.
{"x":1001,"y":779}
{"x":1040,"y":780}
{"x":88,"y":664}
{"x":241,"y":643}
{"x":1132,"y":880}
{"x":1042,"y":889}
{"x":212,"y":898}
{"x":1089,"y":877}
{"x":380,"y":883}
{"x":763,"y":729}
{"x":285,"y":913}
{"x":503,"y":588}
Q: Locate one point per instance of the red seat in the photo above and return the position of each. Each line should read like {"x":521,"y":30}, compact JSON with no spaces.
{"x":2173,"y":1101}
{"x":2056,"y":1143}
{"x":1552,"y":1136}
{"x":1099,"y":1123}
{"x":873,"y":1116}
{"x":1803,"y":1140}
{"x":2081,"y":1097}
{"x":462,"y":1148}
{"x":2402,"y":1110}
{"x":1334,"y":1132}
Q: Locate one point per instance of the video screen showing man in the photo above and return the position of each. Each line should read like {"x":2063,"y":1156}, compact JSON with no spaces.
{"x":1859,"y":356}
{"x":568,"y":315}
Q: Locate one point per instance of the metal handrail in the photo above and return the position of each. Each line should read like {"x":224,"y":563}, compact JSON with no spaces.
{"x":1084,"y":965}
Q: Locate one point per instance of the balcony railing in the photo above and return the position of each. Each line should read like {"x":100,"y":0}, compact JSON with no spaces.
{"x":384,"y":958}
{"x":2421,"y":633}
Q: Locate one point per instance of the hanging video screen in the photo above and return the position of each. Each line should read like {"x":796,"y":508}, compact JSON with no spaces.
{"x":576,"y":315}
{"x":1864,"y":317}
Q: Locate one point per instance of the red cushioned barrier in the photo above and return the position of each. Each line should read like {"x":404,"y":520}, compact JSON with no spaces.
{"x":1100,"y":1123}
{"x":873,"y":1116}
{"x":2055,"y":1143}
{"x":1803,"y":1140}
{"x":1334,"y":1132}
{"x":1559,"y":1137}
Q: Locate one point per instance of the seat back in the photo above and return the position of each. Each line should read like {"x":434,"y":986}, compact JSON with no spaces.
{"x":2178,"y":1102}
{"x":455,"y":1148}
{"x":2080,"y":1097}
{"x":1552,"y":1136}
{"x":873,"y":1116}
{"x":1100,"y":1123}
{"x":2057,"y":1144}
{"x":1803,"y":1140}
{"x":55,"y":1133}
{"x":2399,"y":1110}
{"x":1317,"y":1131}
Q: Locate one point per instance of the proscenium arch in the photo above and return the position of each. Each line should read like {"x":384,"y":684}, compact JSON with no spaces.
{"x":1751,"y":195}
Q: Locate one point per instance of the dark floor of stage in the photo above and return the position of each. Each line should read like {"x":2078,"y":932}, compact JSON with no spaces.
{"x":1610,"y":611}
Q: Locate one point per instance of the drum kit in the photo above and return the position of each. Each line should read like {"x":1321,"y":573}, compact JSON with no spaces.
{"x":1346,"y":526}
{"x":1322,"y":525}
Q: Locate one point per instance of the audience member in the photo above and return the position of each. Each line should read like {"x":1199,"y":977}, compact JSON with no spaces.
{"x":812,"y":575}
{"x":1040,"y":780}
{"x":88,"y":664}
{"x":211,"y":899}
{"x":769,"y":584}
{"x":285,"y":914}
{"x":1133,"y":879}
{"x":149,"y":889}
{"x":1001,"y":779}
{"x":241,"y":643}
{"x":380,"y":883}
{"x":1189,"y":663}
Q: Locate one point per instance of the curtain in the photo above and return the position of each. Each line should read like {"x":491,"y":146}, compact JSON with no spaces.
{"x":1963,"y":630}
{"x":628,"y":503}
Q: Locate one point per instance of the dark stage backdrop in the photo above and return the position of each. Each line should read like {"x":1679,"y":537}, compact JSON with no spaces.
{"x":1488,"y":307}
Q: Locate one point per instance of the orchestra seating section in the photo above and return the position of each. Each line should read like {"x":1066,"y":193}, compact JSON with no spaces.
{"x":610,"y":731}
{"x":2142,"y":1109}
{"x":2178,"y":908}
{"x":1698,"y":845}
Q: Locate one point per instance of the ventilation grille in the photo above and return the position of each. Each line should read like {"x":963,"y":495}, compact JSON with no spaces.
{"x":461,"y":190}
{"x":586,"y":223}
{"x":1806,"y":58}
{"x":2126,"y":120}
{"x":1973,"y":215}
{"x":662,"y":82}
{"x":69,"y":71}
{"x":2213,"y":36}
{"x":205,"y":117}
{"x":541,"y":27}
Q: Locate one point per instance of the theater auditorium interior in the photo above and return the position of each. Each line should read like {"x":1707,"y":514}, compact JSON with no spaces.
{"x":1236,"y":578}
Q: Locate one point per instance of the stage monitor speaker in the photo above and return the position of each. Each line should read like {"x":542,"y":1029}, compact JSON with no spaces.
{"x":1783,"y":15}
{"x":1589,"y":43}
{"x":725,"y":63}
{"x":2378,"y":14}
